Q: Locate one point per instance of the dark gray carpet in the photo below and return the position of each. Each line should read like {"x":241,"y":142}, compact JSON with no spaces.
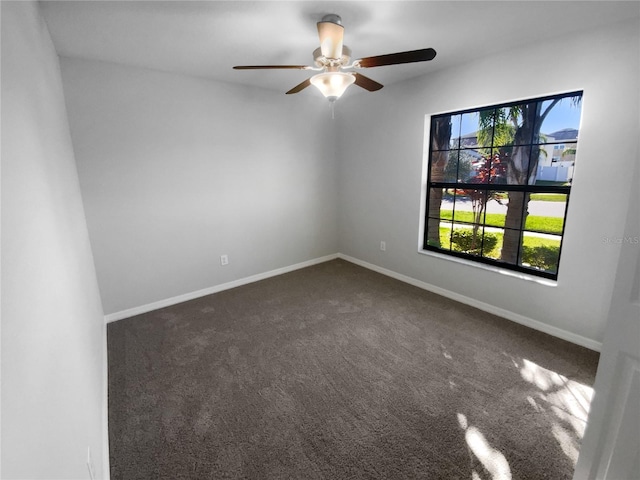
{"x":337,"y":372}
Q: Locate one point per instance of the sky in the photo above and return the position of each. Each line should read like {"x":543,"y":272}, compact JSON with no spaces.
{"x":564,"y":115}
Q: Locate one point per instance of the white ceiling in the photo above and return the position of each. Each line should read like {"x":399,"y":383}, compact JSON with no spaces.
{"x":207,"y":38}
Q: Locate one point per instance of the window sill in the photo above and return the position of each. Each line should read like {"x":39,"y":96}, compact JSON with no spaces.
{"x":502,"y":271}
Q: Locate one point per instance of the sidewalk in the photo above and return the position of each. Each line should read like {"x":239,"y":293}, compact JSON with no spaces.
{"x":538,"y":208}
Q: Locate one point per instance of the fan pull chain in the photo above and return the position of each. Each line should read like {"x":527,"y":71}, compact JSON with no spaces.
{"x":333,"y":112}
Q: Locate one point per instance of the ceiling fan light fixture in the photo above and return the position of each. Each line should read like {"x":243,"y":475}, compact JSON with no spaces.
{"x":333,"y":57}
{"x":332,"y":84}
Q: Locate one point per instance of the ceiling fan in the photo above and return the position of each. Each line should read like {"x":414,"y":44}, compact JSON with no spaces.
{"x":332,"y":57}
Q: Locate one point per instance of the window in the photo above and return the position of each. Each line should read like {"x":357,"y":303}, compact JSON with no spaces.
{"x":498,"y":184}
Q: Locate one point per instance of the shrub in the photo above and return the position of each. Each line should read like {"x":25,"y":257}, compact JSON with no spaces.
{"x":462,"y":240}
{"x":542,"y":256}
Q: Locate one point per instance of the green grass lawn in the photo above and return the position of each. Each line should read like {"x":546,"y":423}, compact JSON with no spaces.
{"x":535,"y":223}
{"x":548,"y":197}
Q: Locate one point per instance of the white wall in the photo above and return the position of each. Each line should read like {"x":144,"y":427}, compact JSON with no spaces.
{"x":176,"y":171}
{"x":52,"y":319}
{"x":381,"y":158}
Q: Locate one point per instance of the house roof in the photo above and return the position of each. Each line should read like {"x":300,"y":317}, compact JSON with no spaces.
{"x":564,"y":134}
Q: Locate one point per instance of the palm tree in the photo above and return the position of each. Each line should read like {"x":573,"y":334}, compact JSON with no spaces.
{"x":518,"y":125}
{"x":440,"y":139}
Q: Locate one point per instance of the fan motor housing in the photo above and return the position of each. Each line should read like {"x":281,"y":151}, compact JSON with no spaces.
{"x":322,"y":61}
{"x":332,"y":18}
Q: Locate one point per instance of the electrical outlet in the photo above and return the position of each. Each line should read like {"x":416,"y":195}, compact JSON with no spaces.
{"x":92,"y":475}
{"x":224,"y":260}
{"x":383,"y":246}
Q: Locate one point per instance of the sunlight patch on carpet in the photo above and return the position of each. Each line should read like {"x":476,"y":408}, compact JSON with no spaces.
{"x":567,"y":442}
{"x":492,"y":460}
{"x":567,"y":399}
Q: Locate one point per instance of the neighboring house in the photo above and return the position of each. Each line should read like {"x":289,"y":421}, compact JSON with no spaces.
{"x":558,"y":163}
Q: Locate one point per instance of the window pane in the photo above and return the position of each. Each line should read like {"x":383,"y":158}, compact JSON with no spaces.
{"x":504,"y":129}
{"x":439,"y":164}
{"x":489,"y":125}
{"x":537,"y":155}
{"x":492,"y":242}
{"x":455,"y":131}
{"x":466,"y":238}
{"x":540,"y":252}
{"x":546,"y":212}
{"x":556,"y":164}
{"x":470,"y":206}
{"x":523,"y":117}
{"x":499,"y":162}
{"x":451,"y":170}
{"x":515,"y":164}
{"x":472,"y":135}
{"x":511,"y":239}
{"x":443,"y":132}
{"x":445,"y":235}
{"x":483,"y":168}
{"x":562,"y":119}
{"x":496,"y":208}
{"x":457,"y":206}
{"x":473,"y":166}
{"x":435,"y":200}
{"x":446,"y":211}
{"x":515,"y":208}
{"x":567,"y":152}
{"x":461,"y":206}
{"x":437,"y":233}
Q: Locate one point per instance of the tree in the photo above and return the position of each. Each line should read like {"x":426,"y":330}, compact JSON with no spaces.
{"x":490,"y":168}
{"x":440,"y":140}
{"x":459,"y":165}
{"x":518,"y":126}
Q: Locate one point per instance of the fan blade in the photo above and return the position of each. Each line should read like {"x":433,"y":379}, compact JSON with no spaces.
{"x":367,"y":83}
{"x":300,"y":86}
{"x":423,"y":55}
{"x":331,"y":35}
{"x":270,"y":67}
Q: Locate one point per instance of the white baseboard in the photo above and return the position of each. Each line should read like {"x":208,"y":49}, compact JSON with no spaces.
{"x":112,"y":317}
{"x":515,"y":317}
